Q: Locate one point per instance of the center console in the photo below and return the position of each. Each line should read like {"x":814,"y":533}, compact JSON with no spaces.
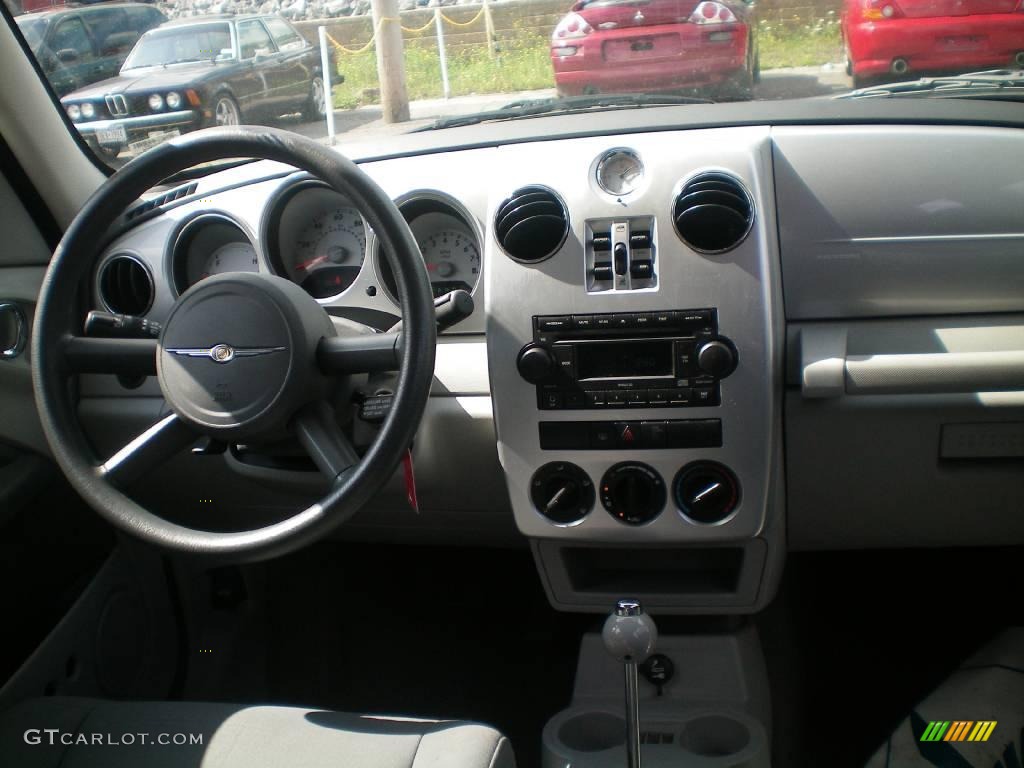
{"x":633,"y":344}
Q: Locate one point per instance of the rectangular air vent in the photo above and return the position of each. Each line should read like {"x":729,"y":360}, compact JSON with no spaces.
{"x":160,"y":200}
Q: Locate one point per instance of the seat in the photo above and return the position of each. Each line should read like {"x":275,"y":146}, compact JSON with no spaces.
{"x":89,"y":733}
{"x":987,"y":693}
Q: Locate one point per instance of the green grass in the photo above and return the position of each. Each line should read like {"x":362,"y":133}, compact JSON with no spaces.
{"x":798,"y":44}
{"x":524,"y":64}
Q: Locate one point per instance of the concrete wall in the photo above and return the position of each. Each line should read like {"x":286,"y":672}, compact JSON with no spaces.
{"x":517,"y":17}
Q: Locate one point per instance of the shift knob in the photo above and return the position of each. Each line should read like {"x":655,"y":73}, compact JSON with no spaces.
{"x":629,"y":634}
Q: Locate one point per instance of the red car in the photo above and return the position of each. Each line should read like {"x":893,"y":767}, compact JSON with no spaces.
{"x":629,"y":46}
{"x":908,"y":38}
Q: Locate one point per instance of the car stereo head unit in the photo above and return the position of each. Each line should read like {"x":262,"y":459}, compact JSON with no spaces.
{"x":638,"y":359}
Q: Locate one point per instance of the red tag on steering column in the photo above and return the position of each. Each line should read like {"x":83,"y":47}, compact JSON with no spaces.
{"x":410,"y":481}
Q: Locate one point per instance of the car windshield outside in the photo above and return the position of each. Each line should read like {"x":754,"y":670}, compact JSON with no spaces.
{"x":196,"y":42}
{"x":449,"y":62}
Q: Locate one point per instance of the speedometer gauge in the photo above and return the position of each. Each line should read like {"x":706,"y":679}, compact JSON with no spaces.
{"x":453,"y":260}
{"x":318,"y":240}
{"x":328,"y":252}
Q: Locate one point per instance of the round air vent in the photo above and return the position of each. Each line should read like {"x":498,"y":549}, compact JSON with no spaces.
{"x":531,"y":224}
{"x":713,"y":213}
{"x":126,"y":286}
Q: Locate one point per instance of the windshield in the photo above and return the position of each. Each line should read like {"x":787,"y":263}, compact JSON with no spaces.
{"x":181,"y":44}
{"x":426,"y":68}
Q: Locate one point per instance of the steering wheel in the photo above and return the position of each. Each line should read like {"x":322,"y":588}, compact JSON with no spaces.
{"x":242,"y":357}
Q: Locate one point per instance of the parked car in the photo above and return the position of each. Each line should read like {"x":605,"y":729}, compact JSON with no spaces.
{"x":897,"y":39}
{"x":202,"y":71}
{"x":80,"y":45}
{"x":604,"y":46}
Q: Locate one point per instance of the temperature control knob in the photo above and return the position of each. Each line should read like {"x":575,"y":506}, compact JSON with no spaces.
{"x":633,"y":492}
{"x":706,"y":492}
{"x":536,"y":363}
{"x":562,"y":492}
{"x":717,"y":358}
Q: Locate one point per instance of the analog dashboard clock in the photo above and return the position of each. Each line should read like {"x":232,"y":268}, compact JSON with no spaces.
{"x":620,"y":172}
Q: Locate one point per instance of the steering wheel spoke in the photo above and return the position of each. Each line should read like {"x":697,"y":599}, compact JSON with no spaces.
{"x":328,"y":447}
{"x":360,"y":354}
{"x":132,"y":357}
{"x":156,"y":445}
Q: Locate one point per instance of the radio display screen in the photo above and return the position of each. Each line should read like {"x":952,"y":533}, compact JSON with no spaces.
{"x":623,"y":359}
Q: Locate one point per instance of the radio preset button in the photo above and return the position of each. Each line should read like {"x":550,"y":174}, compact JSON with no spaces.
{"x":657,"y":397}
{"x":680,"y":396}
{"x":636,"y":397}
{"x":615,"y":398}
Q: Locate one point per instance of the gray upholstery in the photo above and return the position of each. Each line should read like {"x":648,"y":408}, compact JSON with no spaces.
{"x":237,"y":736}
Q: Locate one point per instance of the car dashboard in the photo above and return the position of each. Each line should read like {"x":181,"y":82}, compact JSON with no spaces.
{"x":692,"y":348}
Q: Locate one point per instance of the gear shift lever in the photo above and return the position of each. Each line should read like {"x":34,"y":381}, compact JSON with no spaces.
{"x":629,"y":636}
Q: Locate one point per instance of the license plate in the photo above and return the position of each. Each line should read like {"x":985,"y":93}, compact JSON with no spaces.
{"x":154,"y":139}
{"x":641,"y":48}
{"x":960,"y":43}
{"x":112,"y":137}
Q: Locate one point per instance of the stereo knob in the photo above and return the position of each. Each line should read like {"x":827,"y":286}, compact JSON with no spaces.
{"x":562,"y":492}
{"x":536,"y":363}
{"x":633,"y":492}
{"x":706,"y":492}
{"x":717,"y":358}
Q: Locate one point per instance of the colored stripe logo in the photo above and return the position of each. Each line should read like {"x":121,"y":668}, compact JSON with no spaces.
{"x":959,"y":730}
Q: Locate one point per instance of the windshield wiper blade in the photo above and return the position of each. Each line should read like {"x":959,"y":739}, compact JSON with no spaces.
{"x":996,"y":81}
{"x":564,"y":105}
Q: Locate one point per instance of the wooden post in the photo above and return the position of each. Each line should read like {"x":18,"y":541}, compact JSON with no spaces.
{"x":394,"y":97}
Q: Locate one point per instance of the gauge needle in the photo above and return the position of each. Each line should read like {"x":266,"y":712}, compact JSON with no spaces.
{"x":310,"y":263}
{"x":553,"y":502}
{"x":706,"y":491}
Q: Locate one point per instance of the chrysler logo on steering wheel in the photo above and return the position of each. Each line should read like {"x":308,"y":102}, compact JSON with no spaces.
{"x":224,"y":353}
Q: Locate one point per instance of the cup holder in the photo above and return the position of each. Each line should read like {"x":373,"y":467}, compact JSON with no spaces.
{"x":593,"y":732}
{"x":714,"y":736}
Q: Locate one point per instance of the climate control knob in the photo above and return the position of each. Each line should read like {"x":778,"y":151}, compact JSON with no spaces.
{"x":536,"y":363}
{"x":562,"y":492}
{"x":706,"y":492}
{"x":717,"y":358}
{"x":633,"y":492}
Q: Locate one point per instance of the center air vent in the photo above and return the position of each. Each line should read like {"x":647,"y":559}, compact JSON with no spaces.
{"x":126,"y":286}
{"x":532,"y":224}
{"x":713,"y":213}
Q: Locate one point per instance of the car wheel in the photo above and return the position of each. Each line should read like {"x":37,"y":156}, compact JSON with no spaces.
{"x":225,"y":111}
{"x":316,"y":105}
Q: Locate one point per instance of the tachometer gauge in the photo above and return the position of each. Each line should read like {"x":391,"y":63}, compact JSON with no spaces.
{"x":453,"y":260}
{"x":620,"y":172}
{"x":232,"y":257}
{"x":211,"y":244}
{"x":334,"y":241}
